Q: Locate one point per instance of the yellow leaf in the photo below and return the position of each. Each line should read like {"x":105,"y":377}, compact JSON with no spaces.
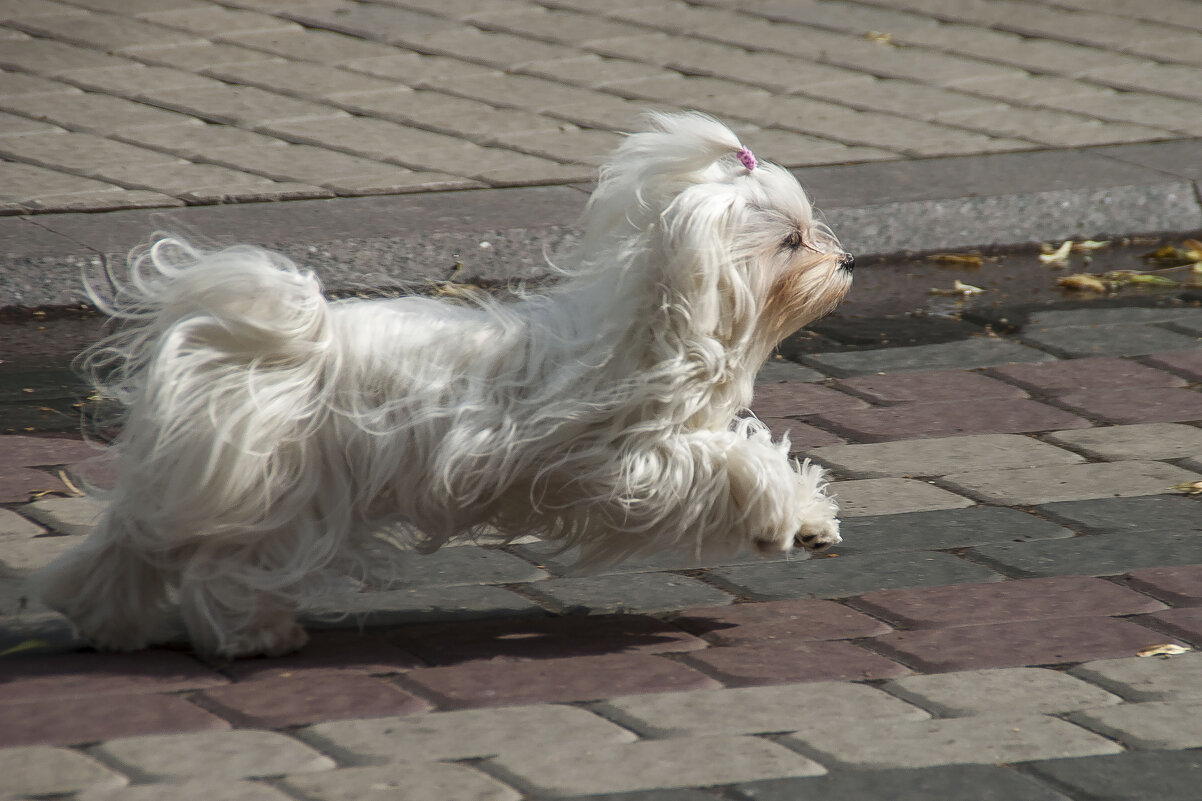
{"x":1193,"y":249}
{"x":1083,"y":282}
{"x":965,"y":259}
{"x":1167,"y":649}
{"x":1089,"y":246}
{"x":28,"y":645}
{"x":1057,"y":256}
{"x":958,"y":288}
{"x":1189,"y":488}
{"x":879,"y":37}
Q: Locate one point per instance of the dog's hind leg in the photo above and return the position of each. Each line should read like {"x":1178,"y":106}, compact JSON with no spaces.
{"x":114,"y":595}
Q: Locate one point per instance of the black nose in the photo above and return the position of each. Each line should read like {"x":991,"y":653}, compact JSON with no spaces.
{"x":847,"y":262}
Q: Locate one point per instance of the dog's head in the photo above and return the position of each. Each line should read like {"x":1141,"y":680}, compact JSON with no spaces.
{"x":738,"y":251}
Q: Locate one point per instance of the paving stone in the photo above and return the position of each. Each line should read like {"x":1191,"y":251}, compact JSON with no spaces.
{"x":786,"y":621}
{"x":1135,"y":515}
{"x":1019,"y":644}
{"x":465,"y":565}
{"x":1057,"y":318}
{"x":947,"y":419}
{"x":65,"y":515}
{"x":778,"y":369}
{"x":1007,"y":601}
{"x":882,"y":496}
{"x":214,"y":755}
{"x":24,"y":451}
{"x":464,"y":734}
{"x":944,"y":529}
{"x":26,"y":554}
{"x":1162,"y":775}
{"x":89,"y":675}
{"x":541,"y":638}
{"x":675,"y":794}
{"x":1108,"y":340}
{"x":1162,"y":678}
{"x":200,"y":790}
{"x":752,"y":710}
{"x":38,"y":770}
{"x":352,"y":652}
{"x":12,"y":525}
{"x":944,"y":782}
{"x":430,"y":782}
{"x":638,"y":592}
{"x":106,"y":32}
{"x":549,"y":555}
{"x":577,"y":678}
{"x":927,"y":387}
{"x":67,"y":721}
{"x":933,"y":457}
{"x":1137,"y":404}
{"x":1040,"y":485}
{"x":1154,"y":724}
{"x":1183,"y":623}
{"x":1140,"y":441}
{"x":925,"y":743}
{"x":424,"y":605}
{"x":17,"y":484}
{"x":848,"y":575}
{"x":794,"y":400}
{"x":790,"y":662}
{"x":1187,"y":363}
{"x":94,"y":112}
{"x":802,"y":436}
{"x":1179,"y":586}
{"x":967,"y":354}
{"x":1100,"y":555}
{"x":1003,"y":690}
{"x":679,"y":762}
{"x":288,"y":701}
{"x":1079,"y":375}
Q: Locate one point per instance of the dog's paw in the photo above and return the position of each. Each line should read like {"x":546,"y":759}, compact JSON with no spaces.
{"x":818,"y":535}
{"x":278,"y":640}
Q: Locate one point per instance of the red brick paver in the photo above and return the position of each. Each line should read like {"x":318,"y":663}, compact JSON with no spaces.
{"x":786,"y":621}
{"x":802,"y":436}
{"x":1187,"y":363}
{"x":329,"y":651}
{"x":1075,"y":375}
{"x":312,"y":698}
{"x":1183,"y":623}
{"x":67,"y":721}
{"x":929,"y":386}
{"x":25,"y":451}
{"x":785,"y":662}
{"x":1138,"y":404}
{"x":1001,"y":602}
{"x":948,"y":419}
{"x":1179,"y":586}
{"x":579,"y":678}
{"x":1029,"y":642}
{"x":87,"y":675}
{"x":799,"y":400}
{"x":17,"y":484}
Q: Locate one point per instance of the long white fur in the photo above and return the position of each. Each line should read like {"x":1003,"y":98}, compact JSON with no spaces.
{"x":275,"y":443}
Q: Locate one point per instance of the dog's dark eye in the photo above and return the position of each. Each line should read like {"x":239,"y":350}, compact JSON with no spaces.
{"x":793,"y":241}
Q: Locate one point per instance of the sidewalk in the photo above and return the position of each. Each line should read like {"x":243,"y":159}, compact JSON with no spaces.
{"x":1012,"y":541}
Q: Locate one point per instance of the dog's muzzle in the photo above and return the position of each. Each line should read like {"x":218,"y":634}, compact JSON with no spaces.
{"x":847,"y":262}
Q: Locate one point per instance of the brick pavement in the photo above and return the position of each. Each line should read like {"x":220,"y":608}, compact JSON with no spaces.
{"x":108,"y":105}
{"x":976,"y":636}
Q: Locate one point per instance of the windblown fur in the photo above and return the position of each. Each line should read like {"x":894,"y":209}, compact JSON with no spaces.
{"x":274,"y":442}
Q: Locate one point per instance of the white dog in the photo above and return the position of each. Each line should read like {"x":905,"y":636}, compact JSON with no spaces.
{"x":275,"y":444}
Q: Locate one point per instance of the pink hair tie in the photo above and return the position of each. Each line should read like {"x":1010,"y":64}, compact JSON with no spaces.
{"x":746,"y":158}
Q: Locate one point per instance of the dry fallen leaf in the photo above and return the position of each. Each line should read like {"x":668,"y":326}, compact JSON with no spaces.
{"x":879,"y":37}
{"x":1193,"y":249}
{"x":1088,"y":246}
{"x":1167,"y":649}
{"x":1057,"y":256}
{"x":1189,"y":487}
{"x":959,"y":288}
{"x":964,"y":259}
{"x":1083,"y":282}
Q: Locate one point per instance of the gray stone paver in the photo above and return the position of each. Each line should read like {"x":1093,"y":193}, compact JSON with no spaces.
{"x":1154,"y":724}
{"x":655,"y":764}
{"x":752,"y":710}
{"x":985,"y":739}
{"x":37,"y":770}
{"x":938,"y":87}
{"x":1002,"y":690}
{"x":946,"y":783}
{"x":199,"y":790}
{"x":964,"y":355}
{"x":1147,"y":678}
{"x":1036,"y":485}
{"x":880,"y":496}
{"x":1139,"y":441}
{"x":933,"y":456}
{"x":215,"y":755}
{"x":428,"y":782}
{"x":1163,"y":775}
{"x":462,"y":734}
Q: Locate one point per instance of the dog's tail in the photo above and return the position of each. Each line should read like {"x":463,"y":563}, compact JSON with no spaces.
{"x":223,"y":359}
